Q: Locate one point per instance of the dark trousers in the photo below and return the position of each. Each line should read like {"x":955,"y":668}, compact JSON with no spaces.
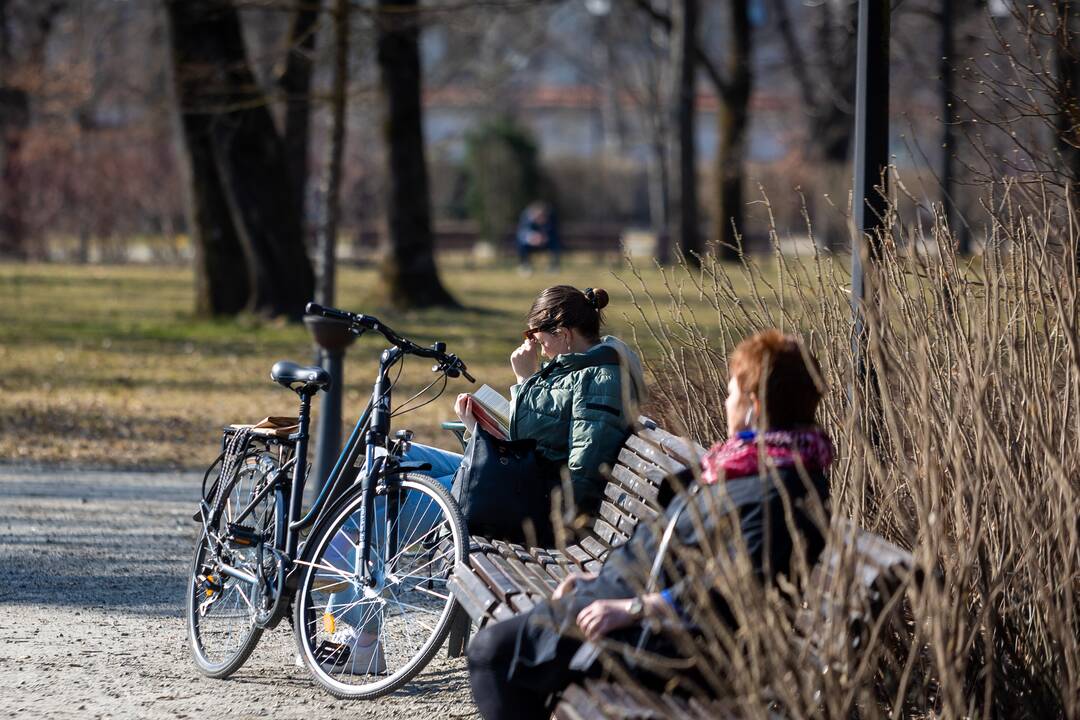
{"x":525,"y":253}
{"x":529,"y":694}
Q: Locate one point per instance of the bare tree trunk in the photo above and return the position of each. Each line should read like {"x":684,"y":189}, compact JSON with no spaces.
{"x":295,"y":83}
{"x":14,"y":120}
{"x":241,"y":192}
{"x":327,"y":245}
{"x":223,"y":279}
{"x":732,"y":117}
{"x":947,"y":57}
{"x":684,"y":206}
{"x":15,"y":107}
{"x":409,"y":275}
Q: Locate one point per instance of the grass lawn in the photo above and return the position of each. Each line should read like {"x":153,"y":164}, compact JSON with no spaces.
{"x":107,"y":367}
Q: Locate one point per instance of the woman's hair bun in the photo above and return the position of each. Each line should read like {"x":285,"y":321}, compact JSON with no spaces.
{"x":596,"y":297}
{"x":601,"y":298}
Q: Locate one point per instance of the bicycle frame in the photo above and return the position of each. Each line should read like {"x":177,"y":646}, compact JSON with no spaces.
{"x":368,"y":436}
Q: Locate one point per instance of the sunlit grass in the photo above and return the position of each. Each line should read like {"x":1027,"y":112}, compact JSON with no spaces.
{"x":107,"y":366}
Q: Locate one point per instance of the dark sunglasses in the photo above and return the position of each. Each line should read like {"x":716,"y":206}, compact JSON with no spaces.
{"x":530,"y":334}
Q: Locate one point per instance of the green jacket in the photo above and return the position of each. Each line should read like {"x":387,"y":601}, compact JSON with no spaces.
{"x":578,"y":412}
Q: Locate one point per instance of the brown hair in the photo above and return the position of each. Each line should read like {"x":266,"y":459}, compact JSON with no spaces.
{"x":785,"y":376}
{"x":566,"y":306}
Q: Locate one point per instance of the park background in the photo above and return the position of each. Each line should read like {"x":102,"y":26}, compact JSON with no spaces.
{"x":178,"y":178}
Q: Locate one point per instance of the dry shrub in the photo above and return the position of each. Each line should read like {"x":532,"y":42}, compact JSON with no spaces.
{"x":972,"y":463}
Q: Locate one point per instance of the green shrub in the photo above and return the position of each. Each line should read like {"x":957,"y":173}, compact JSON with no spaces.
{"x":503,"y":175}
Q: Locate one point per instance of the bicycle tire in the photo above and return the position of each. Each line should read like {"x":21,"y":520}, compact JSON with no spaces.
{"x":238,"y":489}
{"x":453,"y":547}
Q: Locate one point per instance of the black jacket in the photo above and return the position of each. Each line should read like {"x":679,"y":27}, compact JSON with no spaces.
{"x":704,"y":519}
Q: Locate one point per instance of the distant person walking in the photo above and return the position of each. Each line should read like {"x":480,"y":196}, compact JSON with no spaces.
{"x":538,"y":230}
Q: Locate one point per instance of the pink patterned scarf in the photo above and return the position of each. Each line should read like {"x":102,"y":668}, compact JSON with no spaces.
{"x":737,"y":456}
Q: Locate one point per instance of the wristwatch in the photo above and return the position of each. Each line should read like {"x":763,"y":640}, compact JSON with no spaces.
{"x":637,"y":608}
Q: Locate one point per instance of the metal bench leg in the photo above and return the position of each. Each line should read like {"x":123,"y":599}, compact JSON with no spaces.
{"x":460,"y":630}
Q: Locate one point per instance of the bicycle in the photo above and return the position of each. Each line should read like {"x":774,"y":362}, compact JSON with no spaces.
{"x":382,"y":539}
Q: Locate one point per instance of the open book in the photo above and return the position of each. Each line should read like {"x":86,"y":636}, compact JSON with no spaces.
{"x":491,"y":410}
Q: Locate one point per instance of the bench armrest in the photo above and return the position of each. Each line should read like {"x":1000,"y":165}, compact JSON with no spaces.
{"x":458,"y":428}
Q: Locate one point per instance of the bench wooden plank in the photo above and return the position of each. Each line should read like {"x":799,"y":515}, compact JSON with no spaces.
{"x":549,"y":564}
{"x":530,"y":582}
{"x":579,"y":555}
{"x":651,"y":473}
{"x":497,"y":580}
{"x":628,"y":503}
{"x":623,"y":521}
{"x":595,"y":548}
{"x":471,"y":591}
{"x":652,"y":452}
{"x":607,"y":533}
{"x":685,"y":451}
{"x":537,"y":571}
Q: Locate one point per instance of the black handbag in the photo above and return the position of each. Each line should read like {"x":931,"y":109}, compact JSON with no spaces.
{"x":504,"y":486}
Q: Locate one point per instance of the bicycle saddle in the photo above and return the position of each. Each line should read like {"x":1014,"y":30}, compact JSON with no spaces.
{"x":307,"y":378}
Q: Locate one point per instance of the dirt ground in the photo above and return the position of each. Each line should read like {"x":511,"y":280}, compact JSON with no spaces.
{"x":92,"y":620}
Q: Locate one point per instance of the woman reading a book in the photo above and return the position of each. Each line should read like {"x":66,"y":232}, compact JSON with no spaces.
{"x":579,"y":406}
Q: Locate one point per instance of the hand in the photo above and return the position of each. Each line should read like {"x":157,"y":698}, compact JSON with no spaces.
{"x":601,"y":617}
{"x":569,"y":583}
{"x":461,"y":407}
{"x":523,"y":360}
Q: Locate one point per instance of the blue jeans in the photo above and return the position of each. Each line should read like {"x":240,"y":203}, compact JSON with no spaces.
{"x":418,"y":515}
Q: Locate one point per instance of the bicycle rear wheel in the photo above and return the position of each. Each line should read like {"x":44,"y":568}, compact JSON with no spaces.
{"x":363,"y":641}
{"x":221,"y":610}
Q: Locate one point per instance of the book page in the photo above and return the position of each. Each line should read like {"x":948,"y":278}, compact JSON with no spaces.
{"x":494,"y":402}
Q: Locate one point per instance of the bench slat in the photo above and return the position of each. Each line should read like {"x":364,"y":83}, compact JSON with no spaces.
{"x":595,"y":548}
{"x":651,"y":452}
{"x":471,"y":591}
{"x":628,"y":503}
{"x":624,"y":522}
{"x":534,"y":583}
{"x":685,"y":451}
{"x":650,"y":473}
{"x":636,"y":486}
{"x":493,"y":576}
{"x":578,"y":554}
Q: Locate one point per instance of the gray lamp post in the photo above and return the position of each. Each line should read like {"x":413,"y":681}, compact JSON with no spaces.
{"x":871,"y":162}
{"x":332,"y":336}
{"x":331,"y":339}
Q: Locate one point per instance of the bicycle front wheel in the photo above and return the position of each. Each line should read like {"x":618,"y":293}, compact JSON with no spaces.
{"x":365,"y":638}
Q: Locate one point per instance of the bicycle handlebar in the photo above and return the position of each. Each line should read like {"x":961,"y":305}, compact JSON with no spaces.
{"x":360,"y":322}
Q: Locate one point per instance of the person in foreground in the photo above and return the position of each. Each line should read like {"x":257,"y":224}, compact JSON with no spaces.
{"x":518,"y":666}
{"x":578,"y":408}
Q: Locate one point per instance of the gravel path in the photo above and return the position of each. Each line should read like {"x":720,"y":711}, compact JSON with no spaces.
{"x":92,"y":623}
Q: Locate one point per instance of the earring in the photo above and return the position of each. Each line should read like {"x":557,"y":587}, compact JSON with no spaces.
{"x":749,"y":419}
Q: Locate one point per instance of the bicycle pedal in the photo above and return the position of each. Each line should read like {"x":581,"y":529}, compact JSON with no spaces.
{"x":242,"y":534}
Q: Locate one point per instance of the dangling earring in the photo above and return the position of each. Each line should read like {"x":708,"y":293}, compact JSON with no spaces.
{"x":749,"y":419}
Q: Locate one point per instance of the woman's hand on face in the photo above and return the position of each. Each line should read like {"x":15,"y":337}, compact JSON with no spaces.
{"x":523,"y":360}
{"x":569,"y":583}
{"x":601,"y":617}
{"x":461,"y":407}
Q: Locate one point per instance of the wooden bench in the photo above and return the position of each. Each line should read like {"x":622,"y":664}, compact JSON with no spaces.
{"x":501,"y":579}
